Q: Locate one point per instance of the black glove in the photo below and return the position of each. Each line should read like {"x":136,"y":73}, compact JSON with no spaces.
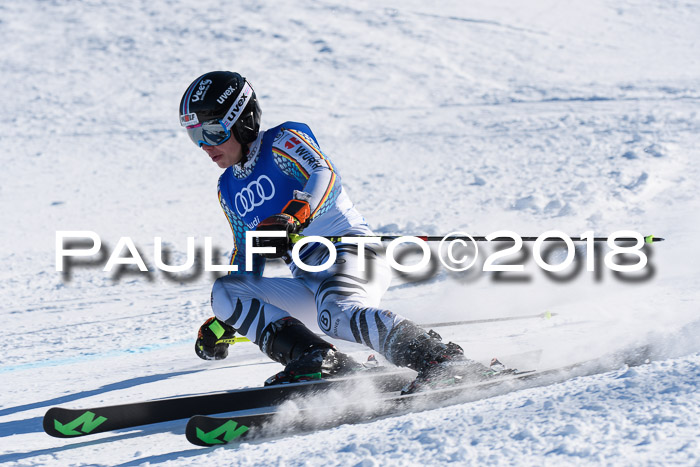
{"x":293,"y":218}
{"x":209,"y":334}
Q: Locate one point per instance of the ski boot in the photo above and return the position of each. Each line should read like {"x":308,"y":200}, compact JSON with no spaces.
{"x":305,"y":355}
{"x":438,"y":364}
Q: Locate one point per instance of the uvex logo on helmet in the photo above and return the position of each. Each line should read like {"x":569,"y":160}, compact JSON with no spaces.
{"x":201,"y":90}
{"x":237,"y":108}
{"x":222,"y":98}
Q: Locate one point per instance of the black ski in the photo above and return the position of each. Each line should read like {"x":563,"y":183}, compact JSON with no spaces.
{"x":204,"y":430}
{"x":70,"y":423}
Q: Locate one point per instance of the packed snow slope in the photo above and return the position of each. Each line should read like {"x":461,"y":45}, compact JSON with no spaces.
{"x":525,"y":116}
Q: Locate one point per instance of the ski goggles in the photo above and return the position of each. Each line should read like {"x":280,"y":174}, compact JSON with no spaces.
{"x":210,"y":133}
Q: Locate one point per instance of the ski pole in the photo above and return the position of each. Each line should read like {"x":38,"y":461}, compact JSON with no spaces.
{"x":233,"y":340}
{"x":436,"y":238}
{"x":546,"y":315}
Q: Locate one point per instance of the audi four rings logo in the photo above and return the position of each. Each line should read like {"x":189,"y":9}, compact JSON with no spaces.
{"x":254,"y":195}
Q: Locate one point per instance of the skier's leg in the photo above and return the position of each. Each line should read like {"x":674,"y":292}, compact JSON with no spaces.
{"x":256,"y":307}
{"x":250,"y":303}
{"x":347,"y":298}
{"x":347,"y":301}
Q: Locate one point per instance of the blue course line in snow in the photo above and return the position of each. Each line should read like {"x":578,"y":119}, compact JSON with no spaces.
{"x":88,"y":357}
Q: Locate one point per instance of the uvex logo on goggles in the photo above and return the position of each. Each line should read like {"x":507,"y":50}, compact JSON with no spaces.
{"x":237,"y":108}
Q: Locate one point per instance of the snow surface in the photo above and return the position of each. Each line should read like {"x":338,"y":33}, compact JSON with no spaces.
{"x":526,"y":116}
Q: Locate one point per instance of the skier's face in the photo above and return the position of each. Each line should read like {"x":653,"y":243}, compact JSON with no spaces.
{"x":225,"y":154}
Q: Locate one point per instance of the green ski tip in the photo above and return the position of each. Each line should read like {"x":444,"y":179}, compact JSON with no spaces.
{"x":88,"y":421}
{"x":230,"y":431}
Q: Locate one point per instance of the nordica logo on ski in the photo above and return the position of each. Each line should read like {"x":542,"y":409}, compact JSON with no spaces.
{"x":237,"y":108}
{"x":87,"y":420}
{"x":230,"y":431}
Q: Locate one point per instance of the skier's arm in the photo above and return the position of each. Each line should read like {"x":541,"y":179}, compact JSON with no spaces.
{"x":238,"y":255}
{"x":297,"y":155}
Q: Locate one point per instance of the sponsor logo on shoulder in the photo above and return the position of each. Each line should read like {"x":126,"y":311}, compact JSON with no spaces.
{"x":201,"y":90}
{"x":189,"y":119}
{"x":278,"y":137}
{"x":224,"y":95}
{"x":291,"y":142}
{"x":308,"y":157}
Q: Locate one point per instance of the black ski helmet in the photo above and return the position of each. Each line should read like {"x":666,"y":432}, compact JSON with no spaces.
{"x":218,"y":104}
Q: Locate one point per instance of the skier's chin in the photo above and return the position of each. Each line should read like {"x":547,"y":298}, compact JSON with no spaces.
{"x":221,"y":161}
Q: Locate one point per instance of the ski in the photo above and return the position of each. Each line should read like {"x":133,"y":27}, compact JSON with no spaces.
{"x":207,"y":430}
{"x":70,"y":423}
{"x":203,"y":430}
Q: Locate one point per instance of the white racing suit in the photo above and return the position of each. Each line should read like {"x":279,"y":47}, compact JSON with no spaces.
{"x":343,"y":300}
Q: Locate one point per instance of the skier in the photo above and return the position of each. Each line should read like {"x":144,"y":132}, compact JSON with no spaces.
{"x":280,"y":180}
